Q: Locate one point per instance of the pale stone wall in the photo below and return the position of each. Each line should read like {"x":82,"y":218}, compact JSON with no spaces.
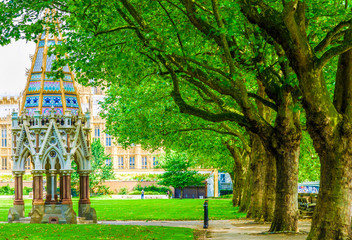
{"x":90,"y":98}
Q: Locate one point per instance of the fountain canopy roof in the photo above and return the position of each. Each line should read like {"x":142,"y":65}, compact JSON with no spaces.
{"x":44,"y":92}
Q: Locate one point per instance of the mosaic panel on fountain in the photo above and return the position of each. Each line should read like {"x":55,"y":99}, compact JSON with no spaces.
{"x":32,"y":101}
{"x":52,"y":101}
{"x":36,"y":77}
{"x":34,"y":86}
{"x":49,"y":62}
{"x":67,"y":78}
{"x":53,"y":86}
{"x":68,"y":86}
{"x":51,"y":42}
{"x":38,"y":61}
{"x":57,"y":110}
{"x":71,"y":101}
{"x":41,"y":43}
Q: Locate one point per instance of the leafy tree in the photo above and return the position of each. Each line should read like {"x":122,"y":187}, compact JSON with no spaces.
{"x":215,"y":62}
{"x":100,"y":170}
{"x":177,"y":172}
{"x":216,"y":82}
{"x":292,"y":24}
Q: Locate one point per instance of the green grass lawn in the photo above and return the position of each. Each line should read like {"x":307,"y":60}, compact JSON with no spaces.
{"x":148,"y":209}
{"x":56,"y":231}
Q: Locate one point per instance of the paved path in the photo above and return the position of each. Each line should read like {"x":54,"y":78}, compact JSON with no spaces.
{"x":226,"y":229}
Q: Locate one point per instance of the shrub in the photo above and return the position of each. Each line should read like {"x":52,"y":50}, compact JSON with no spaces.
{"x":152,"y":188}
{"x":102,"y":190}
{"x":135,"y":193}
{"x":226,"y":196}
{"x":7,"y":190}
{"x":27,"y":190}
{"x":123,"y":191}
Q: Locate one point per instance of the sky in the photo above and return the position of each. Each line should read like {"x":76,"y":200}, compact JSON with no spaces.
{"x":14,"y":60}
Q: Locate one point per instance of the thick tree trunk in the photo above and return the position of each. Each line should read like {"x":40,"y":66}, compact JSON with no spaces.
{"x":286,"y":203}
{"x":332,"y":216}
{"x":238,"y":184}
{"x":257,"y":169}
{"x":181,"y":196}
{"x":246,"y":199}
{"x":333,"y":213}
{"x":269,"y":188}
{"x":234,"y":192}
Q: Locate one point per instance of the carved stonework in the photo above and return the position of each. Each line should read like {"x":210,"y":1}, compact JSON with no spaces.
{"x":51,"y":132}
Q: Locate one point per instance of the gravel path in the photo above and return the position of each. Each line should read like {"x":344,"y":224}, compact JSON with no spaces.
{"x":226,"y":229}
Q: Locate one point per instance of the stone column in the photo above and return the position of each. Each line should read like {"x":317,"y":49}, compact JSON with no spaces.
{"x":17,"y":212}
{"x":38,"y":187}
{"x":53,"y":187}
{"x":61,"y":186}
{"x":18,"y":188}
{"x":48,"y":187}
{"x":84,"y":209}
{"x":84,"y":187}
{"x":66,"y":187}
{"x":37,"y":211}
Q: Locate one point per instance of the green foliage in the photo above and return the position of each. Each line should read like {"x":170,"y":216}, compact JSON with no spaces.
{"x":309,"y":164}
{"x":27,"y":190}
{"x":123,"y":191}
{"x":145,"y":177}
{"x":100,"y":170}
{"x":152,"y":188}
{"x":178,"y":173}
{"x":7,"y":190}
{"x":136,"y":192}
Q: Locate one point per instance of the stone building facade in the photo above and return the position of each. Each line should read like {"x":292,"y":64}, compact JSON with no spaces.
{"x":132,"y":160}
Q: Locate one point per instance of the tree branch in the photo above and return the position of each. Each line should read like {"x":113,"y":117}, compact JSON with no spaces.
{"x":332,"y":52}
{"x":264,"y":101}
{"x":331,"y":35}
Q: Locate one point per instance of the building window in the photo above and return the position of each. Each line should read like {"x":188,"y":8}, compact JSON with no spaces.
{"x":155,"y":162}
{"x":97,"y":132}
{"x":222,"y":178}
{"x":108,"y":161}
{"x":132,"y":163}
{"x":4,"y":137}
{"x":144,"y":162}
{"x":120,"y":162}
{"x":27,"y":164}
{"x":108,"y":140}
{"x":4,"y":163}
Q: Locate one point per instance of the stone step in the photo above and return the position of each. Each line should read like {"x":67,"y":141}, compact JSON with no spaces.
{"x":82,"y":220}
{"x":22,"y":221}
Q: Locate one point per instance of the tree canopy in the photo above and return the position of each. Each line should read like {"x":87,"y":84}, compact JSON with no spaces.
{"x":178,"y":173}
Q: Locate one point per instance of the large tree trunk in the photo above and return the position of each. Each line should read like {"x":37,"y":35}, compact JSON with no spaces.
{"x":285,"y":148}
{"x":286,"y":203}
{"x":246,"y":199}
{"x":333,"y":213}
{"x":269,"y":188}
{"x":257,"y":169}
{"x":237,"y":173}
{"x":238,"y":183}
{"x":332,"y":216}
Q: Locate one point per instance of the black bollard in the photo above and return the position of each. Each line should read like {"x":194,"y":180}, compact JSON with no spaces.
{"x":206,"y":218}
